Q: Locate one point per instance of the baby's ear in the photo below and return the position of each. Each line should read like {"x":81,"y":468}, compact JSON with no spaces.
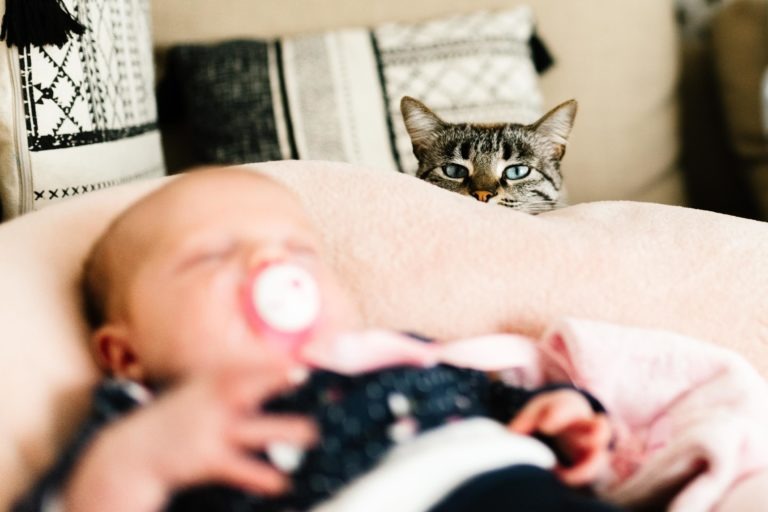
{"x":556,"y":125}
{"x":115,"y":354}
{"x":420,"y":122}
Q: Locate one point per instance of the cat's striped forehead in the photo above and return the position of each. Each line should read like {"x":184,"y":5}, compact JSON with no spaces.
{"x":504,"y":141}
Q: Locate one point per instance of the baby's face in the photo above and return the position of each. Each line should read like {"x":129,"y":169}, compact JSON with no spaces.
{"x":201,"y":241}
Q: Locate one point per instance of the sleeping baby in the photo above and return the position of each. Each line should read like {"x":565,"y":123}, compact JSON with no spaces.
{"x":237,"y":377}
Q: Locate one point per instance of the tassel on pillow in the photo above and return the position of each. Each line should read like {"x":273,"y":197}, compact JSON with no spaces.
{"x":38,"y":23}
{"x":542,"y":58}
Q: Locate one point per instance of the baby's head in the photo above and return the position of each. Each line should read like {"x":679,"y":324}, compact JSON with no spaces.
{"x":164,"y":284}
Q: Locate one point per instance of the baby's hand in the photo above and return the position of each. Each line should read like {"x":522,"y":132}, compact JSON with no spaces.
{"x":580,"y":433}
{"x":203,"y":431}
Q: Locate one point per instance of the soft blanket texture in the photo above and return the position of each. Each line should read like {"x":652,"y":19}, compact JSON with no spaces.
{"x":685,"y":413}
{"x":417,"y":258}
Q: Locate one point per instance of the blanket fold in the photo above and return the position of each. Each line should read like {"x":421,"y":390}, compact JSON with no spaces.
{"x":686,"y":413}
{"x":687,"y":416}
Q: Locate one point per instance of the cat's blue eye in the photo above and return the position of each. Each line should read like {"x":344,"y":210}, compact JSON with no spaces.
{"x":517,"y":172}
{"x":455,"y":171}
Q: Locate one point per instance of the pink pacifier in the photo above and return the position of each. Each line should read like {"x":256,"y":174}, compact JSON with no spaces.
{"x":282,"y":302}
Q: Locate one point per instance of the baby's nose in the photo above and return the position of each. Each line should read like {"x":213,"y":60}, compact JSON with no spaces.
{"x":264,"y":253}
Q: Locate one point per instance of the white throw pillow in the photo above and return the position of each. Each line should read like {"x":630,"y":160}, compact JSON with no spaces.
{"x":81,"y":117}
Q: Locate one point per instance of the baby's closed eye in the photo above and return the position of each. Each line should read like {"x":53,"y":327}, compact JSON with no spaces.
{"x":208,"y":253}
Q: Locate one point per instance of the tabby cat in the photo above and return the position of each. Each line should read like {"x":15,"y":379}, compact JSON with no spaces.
{"x":514,"y":165}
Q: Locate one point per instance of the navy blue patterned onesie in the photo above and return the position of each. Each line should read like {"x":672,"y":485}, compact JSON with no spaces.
{"x":359,"y":418}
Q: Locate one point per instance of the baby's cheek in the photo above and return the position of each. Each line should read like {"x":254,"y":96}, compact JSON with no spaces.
{"x":340,"y":313}
{"x":214,"y":315}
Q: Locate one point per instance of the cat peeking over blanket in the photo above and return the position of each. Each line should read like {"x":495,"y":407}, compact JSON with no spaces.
{"x":514,"y":165}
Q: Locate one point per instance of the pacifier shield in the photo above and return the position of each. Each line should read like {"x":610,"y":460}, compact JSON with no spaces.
{"x":286,"y":298}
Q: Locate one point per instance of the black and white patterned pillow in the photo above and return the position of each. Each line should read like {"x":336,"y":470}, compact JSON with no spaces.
{"x":335,"y":95}
{"x":83,"y":116}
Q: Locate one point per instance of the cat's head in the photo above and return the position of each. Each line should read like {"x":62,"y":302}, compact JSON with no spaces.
{"x":511,"y":164}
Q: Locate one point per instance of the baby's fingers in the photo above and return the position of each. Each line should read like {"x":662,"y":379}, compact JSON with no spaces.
{"x":248,"y":473}
{"x":557,"y":417}
{"x":551,"y":412}
{"x":257,"y":432}
{"x":247,"y":388}
{"x":587,"y":447}
{"x":585,"y":472}
{"x":590,"y":434}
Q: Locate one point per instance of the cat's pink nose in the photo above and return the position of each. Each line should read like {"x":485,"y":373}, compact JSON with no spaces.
{"x":482,"y":195}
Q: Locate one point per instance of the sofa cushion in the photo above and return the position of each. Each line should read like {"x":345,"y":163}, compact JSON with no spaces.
{"x":81,"y":117}
{"x":335,"y":95}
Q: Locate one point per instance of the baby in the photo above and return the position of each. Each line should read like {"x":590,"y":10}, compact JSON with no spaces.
{"x":205,"y":409}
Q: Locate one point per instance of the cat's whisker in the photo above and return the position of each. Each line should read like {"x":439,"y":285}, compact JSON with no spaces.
{"x":541,"y":206}
{"x":533,"y":207}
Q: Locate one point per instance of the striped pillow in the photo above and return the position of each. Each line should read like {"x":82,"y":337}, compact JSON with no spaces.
{"x":336,"y":95}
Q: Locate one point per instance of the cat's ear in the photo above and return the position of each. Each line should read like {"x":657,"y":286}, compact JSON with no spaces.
{"x":420,"y":122}
{"x":556,"y":125}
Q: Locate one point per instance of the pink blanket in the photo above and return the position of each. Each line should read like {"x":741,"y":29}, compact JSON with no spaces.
{"x":688,"y":415}
{"x":685,"y":412}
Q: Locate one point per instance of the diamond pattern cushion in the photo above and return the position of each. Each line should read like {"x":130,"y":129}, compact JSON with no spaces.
{"x":335,"y":95}
{"x":81,"y":117}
